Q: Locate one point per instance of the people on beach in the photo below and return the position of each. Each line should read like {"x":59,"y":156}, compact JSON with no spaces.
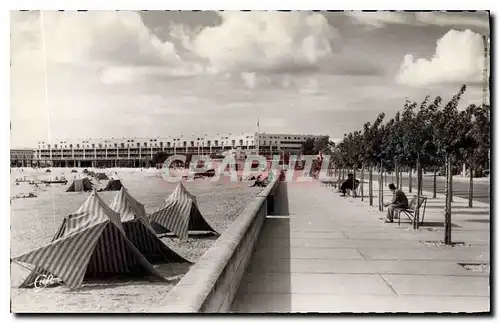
{"x":348,"y":184}
{"x":260,"y":182}
{"x":399,"y":201}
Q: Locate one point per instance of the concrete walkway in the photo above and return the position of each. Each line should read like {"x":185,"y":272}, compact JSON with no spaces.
{"x":334,"y":254}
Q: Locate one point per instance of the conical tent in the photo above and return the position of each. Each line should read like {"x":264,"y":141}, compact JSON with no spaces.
{"x":79,"y":185}
{"x":113,"y":185}
{"x":101,"y":176}
{"x":179,"y":214}
{"x":139,"y":230}
{"x":91,"y":243}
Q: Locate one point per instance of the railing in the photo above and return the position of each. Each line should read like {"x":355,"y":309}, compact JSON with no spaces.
{"x":211,"y":284}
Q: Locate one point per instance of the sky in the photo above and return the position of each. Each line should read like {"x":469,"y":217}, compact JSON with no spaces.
{"x":159,"y":73}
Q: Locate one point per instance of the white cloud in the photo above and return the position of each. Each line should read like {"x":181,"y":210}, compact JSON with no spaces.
{"x":477,"y":19}
{"x":379,"y":18}
{"x":249,"y":79}
{"x":459,"y":58}
{"x":98,"y":36}
{"x":266,"y":40}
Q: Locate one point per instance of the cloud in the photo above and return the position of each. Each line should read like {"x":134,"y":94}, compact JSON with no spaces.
{"x":266,"y":41}
{"x":249,"y":79}
{"x":459,"y":58}
{"x":97,"y":36}
{"x":379,"y":18}
{"x":476,"y":19}
{"x":382,"y":18}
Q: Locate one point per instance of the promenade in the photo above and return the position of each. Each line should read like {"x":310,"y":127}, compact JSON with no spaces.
{"x":326,"y":253}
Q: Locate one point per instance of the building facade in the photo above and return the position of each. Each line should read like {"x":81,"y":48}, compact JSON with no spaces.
{"x":139,"y":152}
{"x":22,"y":157}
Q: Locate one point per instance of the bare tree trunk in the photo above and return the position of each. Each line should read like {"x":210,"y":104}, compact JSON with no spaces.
{"x":401,"y":179}
{"x":338,"y":174}
{"x":447,"y":212}
{"x":434,"y":187}
{"x":354,"y":182}
{"x":397,"y":175}
{"x":380,"y":189}
{"x":471,"y":185}
{"x":451,"y":183}
{"x":362,"y":181}
{"x":410,"y":184}
{"x":370,"y":184}
{"x":392,"y":176}
{"x":419,"y":182}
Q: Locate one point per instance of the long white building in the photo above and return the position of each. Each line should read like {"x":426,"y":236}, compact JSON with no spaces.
{"x":138,"y":152}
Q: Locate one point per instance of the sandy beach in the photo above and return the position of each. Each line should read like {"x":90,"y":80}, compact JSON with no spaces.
{"x":35,"y":220}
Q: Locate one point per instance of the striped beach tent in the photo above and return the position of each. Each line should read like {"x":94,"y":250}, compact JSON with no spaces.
{"x":90,"y":244}
{"x":179,"y":214}
{"x":139,"y":231}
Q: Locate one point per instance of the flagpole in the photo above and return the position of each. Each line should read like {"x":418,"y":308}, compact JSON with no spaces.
{"x":258,"y":136}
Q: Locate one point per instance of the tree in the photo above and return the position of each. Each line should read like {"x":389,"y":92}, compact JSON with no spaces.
{"x":322,"y":144}
{"x":372,"y":149}
{"x":477,"y":141}
{"x":307,"y":147}
{"x":313,"y":146}
{"x":450,"y":134}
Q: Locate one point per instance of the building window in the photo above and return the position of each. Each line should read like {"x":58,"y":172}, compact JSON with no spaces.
{"x":233,"y":142}
{"x":208,"y":143}
{"x":70,"y":145}
{"x":145,"y":144}
{"x":123,"y":145}
{"x":184,"y":143}
{"x":100,"y":145}
{"x":116,"y":145}
{"x":216,"y":143}
{"x":55,"y":146}
{"x":192,"y":143}
{"x":139,"y":145}
{"x":77,"y":145}
{"x":241,"y":142}
{"x":168,"y":144}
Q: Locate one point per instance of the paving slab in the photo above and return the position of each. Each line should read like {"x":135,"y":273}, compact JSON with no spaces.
{"x":266,"y":242}
{"x":476,"y":254}
{"x":307,"y":283}
{"x":361,"y":266}
{"x":439,"y":285}
{"x":265,"y":254}
{"x":315,"y":303}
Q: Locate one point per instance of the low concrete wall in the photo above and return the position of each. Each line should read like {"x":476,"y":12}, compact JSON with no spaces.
{"x":211,"y":284}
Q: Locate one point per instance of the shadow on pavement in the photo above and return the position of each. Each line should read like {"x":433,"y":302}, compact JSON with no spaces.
{"x":478,"y":220}
{"x":262,"y":289}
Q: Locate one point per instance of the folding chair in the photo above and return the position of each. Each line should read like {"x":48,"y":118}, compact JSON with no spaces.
{"x":356,"y":191}
{"x":410,"y":211}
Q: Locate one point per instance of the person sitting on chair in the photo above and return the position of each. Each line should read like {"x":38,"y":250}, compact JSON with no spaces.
{"x":399,"y":201}
{"x":348,"y":184}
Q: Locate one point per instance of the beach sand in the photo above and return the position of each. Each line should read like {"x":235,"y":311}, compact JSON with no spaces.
{"x":35,"y":220}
